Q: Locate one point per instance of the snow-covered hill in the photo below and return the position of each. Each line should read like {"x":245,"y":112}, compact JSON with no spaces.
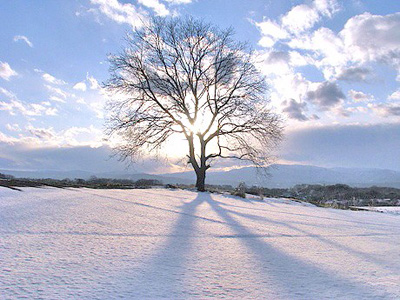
{"x":146,"y":244}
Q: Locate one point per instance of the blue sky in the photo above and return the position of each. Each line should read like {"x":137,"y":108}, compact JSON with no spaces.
{"x":333,"y":68}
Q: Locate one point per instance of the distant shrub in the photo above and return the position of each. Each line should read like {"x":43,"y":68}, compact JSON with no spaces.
{"x":148,"y":183}
{"x":6,"y":176}
{"x":80,"y":181}
{"x":240,"y":190}
{"x":256,"y":191}
{"x":171,"y":186}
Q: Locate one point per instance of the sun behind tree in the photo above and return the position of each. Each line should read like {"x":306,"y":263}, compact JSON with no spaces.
{"x":184,"y":76}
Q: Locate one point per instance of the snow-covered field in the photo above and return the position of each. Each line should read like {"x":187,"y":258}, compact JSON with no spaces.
{"x":146,"y":244}
{"x":395,"y":210}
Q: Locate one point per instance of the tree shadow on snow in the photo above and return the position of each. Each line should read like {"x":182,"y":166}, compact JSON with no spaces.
{"x":326,"y":239}
{"x":163,"y":274}
{"x":293,"y":277}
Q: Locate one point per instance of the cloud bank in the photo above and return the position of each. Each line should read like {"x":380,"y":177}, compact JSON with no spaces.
{"x":370,"y":146}
{"x":348,"y":56}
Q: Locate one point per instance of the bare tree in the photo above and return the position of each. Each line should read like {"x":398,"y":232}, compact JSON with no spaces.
{"x":185,"y":76}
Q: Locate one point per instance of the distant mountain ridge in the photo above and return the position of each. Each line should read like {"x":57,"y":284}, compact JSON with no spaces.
{"x":289,"y":175}
{"x":280,"y":176}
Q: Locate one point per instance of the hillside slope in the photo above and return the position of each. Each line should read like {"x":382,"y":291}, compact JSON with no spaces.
{"x":146,"y":244}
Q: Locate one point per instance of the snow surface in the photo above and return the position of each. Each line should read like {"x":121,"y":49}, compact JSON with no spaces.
{"x":384,"y":209}
{"x":149,"y":244}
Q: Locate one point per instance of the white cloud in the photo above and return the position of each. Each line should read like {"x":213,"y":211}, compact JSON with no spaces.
{"x":373,"y":38}
{"x":58,"y":94}
{"x":94,"y":98}
{"x":386,"y":110}
{"x":349,"y":56}
{"x":42,"y":133}
{"x":13,"y":106}
{"x":179,"y":1}
{"x":370,"y":37}
{"x":364,"y":39}
{"x":51,"y":79}
{"x":93,"y":83}
{"x":360,"y":96}
{"x":13,"y":127}
{"x":271,"y":32}
{"x":72,"y":136}
{"x":286,"y":86}
{"x":52,"y":111}
{"x":134,"y":15}
{"x":299,"y":60}
{"x":326,"y":7}
{"x":346,"y":55}
{"x":90,"y":82}
{"x":23,"y":38}
{"x":274,"y":63}
{"x":81,"y":135}
{"x":5,"y":71}
{"x":80,"y":86}
{"x":158,"y":7}
{"x":298,"y":20}
{"x":97,"y":107}
{"x":7,"y":93}
{"x":121,"y":12}
{"x":6,"y":139}
{"x":81,"y":101}
{"x":395,"y":95}
{"x":57,"y":99}
{"x":327,"y":50}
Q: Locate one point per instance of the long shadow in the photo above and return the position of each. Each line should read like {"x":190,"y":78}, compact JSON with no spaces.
{"x":323,"y":239}
{"x":294,"y":278}
{"x":309,"y":216}
{"x":179,"y":212}
{"x":162,"y":275}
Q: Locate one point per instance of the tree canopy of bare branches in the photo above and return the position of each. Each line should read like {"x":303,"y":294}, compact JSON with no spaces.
{"x":184,"y":76}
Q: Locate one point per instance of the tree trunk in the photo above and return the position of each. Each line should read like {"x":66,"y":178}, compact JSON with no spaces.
{"x":201,"y":180}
